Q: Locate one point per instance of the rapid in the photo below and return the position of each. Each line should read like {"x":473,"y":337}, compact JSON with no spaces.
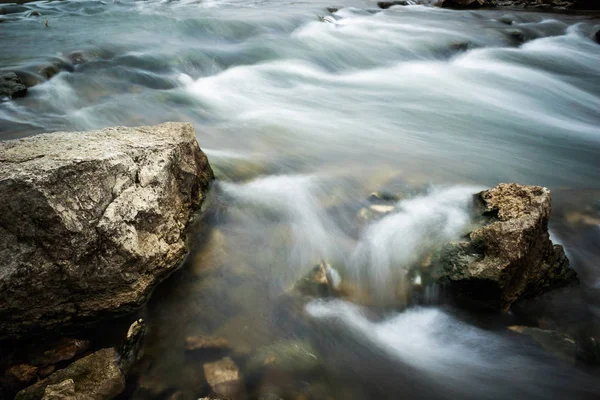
{"x":304,"y":111}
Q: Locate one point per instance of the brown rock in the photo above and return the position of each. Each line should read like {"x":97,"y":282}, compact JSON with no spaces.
{"x":24,"y":373}
{"x":223,"y":377}
{"x":97,"y":376}
{"x":511,"y":257}
{"x":90,"y":222}
{"x":63,"y":350}
{"x":205,"y":342}
{"x":47,"y":370}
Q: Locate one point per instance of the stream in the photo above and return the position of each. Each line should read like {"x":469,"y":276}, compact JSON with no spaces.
{"x":303,"y":113}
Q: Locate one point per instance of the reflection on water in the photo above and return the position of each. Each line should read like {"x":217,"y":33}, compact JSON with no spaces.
{"x":303,"y":113}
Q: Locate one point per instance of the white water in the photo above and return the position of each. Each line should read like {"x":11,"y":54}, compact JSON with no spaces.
{"x":303,"y":113}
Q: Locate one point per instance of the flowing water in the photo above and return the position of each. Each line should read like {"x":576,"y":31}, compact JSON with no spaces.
{"x":303,"y":112}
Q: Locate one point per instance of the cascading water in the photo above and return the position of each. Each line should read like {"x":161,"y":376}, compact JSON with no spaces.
{"x":304,"y":112}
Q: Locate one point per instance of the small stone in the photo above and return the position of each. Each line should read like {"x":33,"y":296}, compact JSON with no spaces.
{"x":222,"y":376}
{"x":293,"y":356}
{"x":321,"y":281}
{"x":63,"y":350}
{"x":387,"y":4}
{"x":384,"y":196}
{"x":24,"y":373}
{"x":381,"y":209}
{"x":193,"y":343}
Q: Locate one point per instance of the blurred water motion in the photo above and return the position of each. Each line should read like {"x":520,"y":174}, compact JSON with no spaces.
{"x":305,"y":112}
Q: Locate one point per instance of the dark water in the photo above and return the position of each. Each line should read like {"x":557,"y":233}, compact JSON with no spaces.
{"x":303,"y":113}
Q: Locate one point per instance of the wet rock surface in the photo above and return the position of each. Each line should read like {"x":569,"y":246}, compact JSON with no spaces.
{"x":11,"y":86}
{"x":99,"y":375}
{"x":90,"y":222}
{"x":511,"y":257}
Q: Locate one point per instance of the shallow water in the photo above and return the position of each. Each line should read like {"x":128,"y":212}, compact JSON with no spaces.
{"x":303,"y":113}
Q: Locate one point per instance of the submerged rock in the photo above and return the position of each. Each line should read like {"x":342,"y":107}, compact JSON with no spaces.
{"x":560,"y":345}
{"x":63,"y":350}
{"x":11,"y":86}
{"x":322,"y":281}
{"x":223,"y":376}
{"x":193,"y":343}
{"x":90,"y":222}
{"x":293,"y":356}
{"x":387,"y":4}
{"x":100,"y":375}
{"x":512,"y":256}
{"x":97,"y":376}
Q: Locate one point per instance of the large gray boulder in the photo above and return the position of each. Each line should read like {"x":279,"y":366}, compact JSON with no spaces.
{"x":90,"y":222}
{"x":511,"y":256}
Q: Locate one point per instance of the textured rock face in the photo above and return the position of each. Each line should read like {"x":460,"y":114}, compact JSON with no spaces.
{"x":11,"y":86}
{"x":96,"y":376}
{"x":511,"y":257}
{"x":91,"y":221}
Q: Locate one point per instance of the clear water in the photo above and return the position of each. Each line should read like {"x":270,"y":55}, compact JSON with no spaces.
{"x":303,"y":113}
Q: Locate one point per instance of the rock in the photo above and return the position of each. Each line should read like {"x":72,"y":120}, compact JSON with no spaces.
{"x":321,"y":281}
{"x":131,"y":350}
{"x":387,"y":4}
{"x":467,"y":4}
{"x":223,"y":377}
{"x":97,"y":376}
{"x":511,"y":257}
{"x":61,"y":391}
{"x":23,"y":373}
{"x":562,"y":346}
{"x":100,"y":375}
{"x":63,"y":350}
{"x":385,"y":197}
{"x":47,"y":370}
{"x":293,"y":356}
{"x":11,"y":86}
{"x":588,"y":350}
{"x":90,"y":222}
{"x":12,"y":9}
{"x":193,"y":343}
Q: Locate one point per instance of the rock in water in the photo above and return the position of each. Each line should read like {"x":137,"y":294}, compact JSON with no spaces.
{"x":91,"y":221}
{"x":467,"y":4}
{"x":97,"y":376}
{"x":511,"y":257}
{"x":11,"y":86}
